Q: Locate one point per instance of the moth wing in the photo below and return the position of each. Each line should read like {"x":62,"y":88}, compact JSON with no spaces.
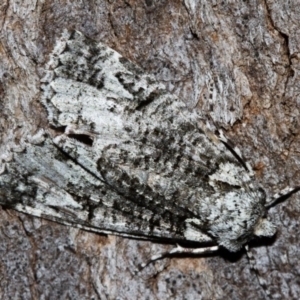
{"x":91,"y":91}
{"x":55,"y":187}
{"x":106,"y":105}
{"x":83,"y":75}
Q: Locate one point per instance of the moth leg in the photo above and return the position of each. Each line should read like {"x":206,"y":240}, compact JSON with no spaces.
{"x":179,"y":250}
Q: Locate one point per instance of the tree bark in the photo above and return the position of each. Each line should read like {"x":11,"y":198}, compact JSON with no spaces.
{"x":251,"y":50}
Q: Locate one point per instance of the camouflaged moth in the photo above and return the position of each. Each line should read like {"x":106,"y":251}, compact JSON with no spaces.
{"x":126,"y":157}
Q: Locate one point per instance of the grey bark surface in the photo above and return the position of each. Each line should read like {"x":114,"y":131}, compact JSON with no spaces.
{"x":250,"y":49}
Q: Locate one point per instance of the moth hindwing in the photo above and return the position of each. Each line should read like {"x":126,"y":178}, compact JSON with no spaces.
{"x":133,"y":160}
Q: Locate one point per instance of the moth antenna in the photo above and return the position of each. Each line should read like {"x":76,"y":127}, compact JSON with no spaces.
{"x":281,"y":196}
{"x":180,"y":250}
{"x":234,"y":150}
{"x":261,"y":280}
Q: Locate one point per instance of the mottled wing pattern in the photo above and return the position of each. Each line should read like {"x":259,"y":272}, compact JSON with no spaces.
{"x":125,"y":129}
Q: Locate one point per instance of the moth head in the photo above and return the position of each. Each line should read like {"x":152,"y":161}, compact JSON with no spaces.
{"x":264,"y":228}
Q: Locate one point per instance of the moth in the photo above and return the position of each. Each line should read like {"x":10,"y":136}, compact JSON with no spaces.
{"x":124,"y":156}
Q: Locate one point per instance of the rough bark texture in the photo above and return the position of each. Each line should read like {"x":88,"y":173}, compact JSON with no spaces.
{"x":251,"y":49}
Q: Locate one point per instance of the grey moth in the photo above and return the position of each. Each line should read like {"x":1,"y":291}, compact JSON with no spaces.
{"x":124,"y":156}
